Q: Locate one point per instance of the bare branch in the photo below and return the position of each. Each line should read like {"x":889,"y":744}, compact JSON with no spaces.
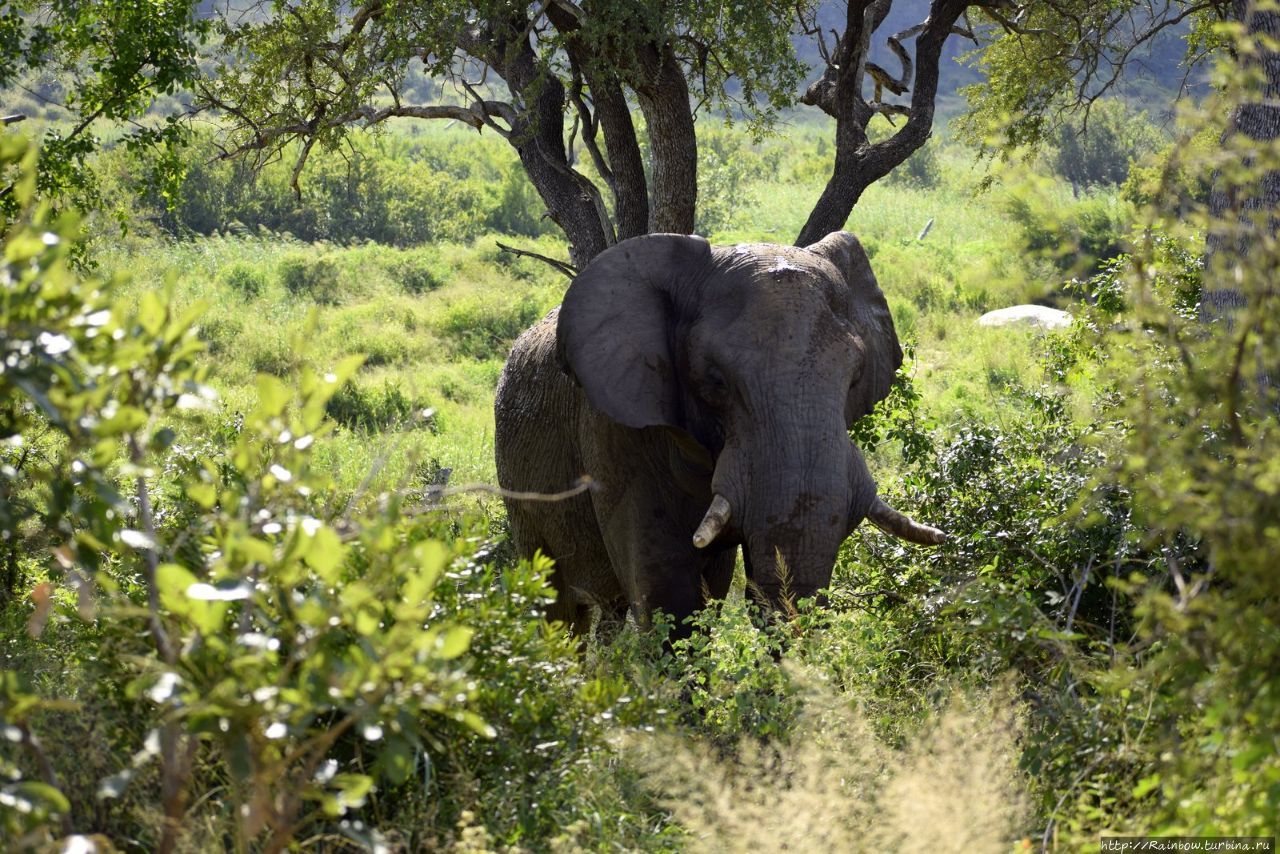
{"x":476,"y":116}
{"x":561,"y":266}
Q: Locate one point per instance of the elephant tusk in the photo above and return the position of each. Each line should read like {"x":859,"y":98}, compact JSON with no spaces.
{"x":903,"y":526}
{"x":713,"y":523}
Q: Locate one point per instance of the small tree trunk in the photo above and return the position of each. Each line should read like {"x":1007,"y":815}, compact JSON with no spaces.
{"x":630,"y":190}
{"x":859,"y":163}
{"x":1257,"y":118}
{"x":1242,"y":209}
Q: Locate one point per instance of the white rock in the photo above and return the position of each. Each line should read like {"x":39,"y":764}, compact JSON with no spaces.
{"x":1038,"y":316}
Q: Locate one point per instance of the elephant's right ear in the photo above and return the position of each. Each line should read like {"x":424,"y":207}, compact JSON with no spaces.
{"x":869,"y":312}
{"x":616,"y":323}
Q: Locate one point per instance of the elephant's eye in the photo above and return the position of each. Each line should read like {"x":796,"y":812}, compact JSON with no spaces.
{"x":714,"y":385}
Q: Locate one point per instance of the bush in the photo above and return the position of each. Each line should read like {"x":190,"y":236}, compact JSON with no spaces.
{"x":725,"y":164}
{"x":303,"y":274}
{"x":922,"y":170}
{"x":299,"y":656}
{"x":360,"y":408}
{"x":244,"y":279}
{"x":1167,"y":178}
{"x":1076,"y":236}
{"x":416,"y":270}
{"x":386,"y":189}
{"x":486,"y":327}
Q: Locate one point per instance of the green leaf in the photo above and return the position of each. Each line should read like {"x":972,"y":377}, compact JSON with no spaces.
{"x":453,"y":642}
{"x":1146,"y":785}
{"x":397,"y":759}
{"x":351,"y":790}
{"x":46,"y":796}
{"x":204,"y":494}
{"x":367,"y":622}
{"x":476,"y":724}
{"x":173,"y":582}
{"x":430,"y":558}
{"x":326,"y":553}
{"x":273,"y":395}
{"x":151,"y":312}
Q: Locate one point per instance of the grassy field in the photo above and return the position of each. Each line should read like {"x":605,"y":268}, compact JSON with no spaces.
{"x":434,"y":321}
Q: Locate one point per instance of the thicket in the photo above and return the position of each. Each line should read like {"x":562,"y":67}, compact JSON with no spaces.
{"x":1099,"y":147}
{"x":395,"y":189}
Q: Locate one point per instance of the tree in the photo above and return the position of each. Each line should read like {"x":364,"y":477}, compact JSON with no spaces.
{"x":115,"y":57}
{"x":1246,"y":192}
{"x":548,"y":79}
{"x":557,"y":77}
{"x":1045,"y":62}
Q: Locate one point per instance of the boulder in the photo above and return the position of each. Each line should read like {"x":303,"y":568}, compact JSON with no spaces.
{"x":1038,"y":316}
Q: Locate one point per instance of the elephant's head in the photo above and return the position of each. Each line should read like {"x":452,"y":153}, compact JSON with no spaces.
{"x":759,"y":358}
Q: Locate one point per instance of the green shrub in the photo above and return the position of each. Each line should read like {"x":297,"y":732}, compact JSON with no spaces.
{"x":519,"y":209}
{"x":245,"y":279}
{"x":416,"y":270}
{"x":358,"y":407}
{"x":1170,"y":176}
{"x":299,"y":656}
{"x":485,"y":327}
{"x":388,"y":190}
{"x":317,"y":277}
{"x":725,"y":164}
{"x":922,"y":170}
{"x":1075,"y":236}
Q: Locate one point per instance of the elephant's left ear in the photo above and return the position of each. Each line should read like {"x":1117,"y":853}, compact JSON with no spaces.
{"x":869,"y":313}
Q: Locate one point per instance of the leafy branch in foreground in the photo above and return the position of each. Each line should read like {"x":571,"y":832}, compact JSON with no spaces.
{"x":114,"y":59}
{"x":296,"y":647}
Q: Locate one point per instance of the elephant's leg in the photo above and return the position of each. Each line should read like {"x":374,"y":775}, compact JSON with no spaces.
{"x":582,"y":575}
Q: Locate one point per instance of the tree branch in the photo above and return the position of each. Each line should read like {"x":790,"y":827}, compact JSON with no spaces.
{"x":563,"y":267}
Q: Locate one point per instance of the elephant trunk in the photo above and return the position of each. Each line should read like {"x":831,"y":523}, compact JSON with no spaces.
{"x":798,"y":503}
{"x":794,"y":506}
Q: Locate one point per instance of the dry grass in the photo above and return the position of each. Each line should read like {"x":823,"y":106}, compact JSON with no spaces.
{"x":837,"y":787}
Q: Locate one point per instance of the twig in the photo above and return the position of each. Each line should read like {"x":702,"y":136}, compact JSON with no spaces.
{"x":45,"y":767}
{"x":584,"y":483}
{"x":562,"y":266}
{"x":152,"y":561}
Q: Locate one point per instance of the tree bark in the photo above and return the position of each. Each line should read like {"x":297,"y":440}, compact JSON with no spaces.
{"x":630,"y":189}
{"x":673,"y":143}
{"x":1240,"y":210}
{"x":1256,"y":118}
{"x":572,"y":201}
{"x":612,"y":114}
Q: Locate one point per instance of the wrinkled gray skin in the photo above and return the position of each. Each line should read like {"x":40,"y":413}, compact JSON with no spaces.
{"x":675,"y":371}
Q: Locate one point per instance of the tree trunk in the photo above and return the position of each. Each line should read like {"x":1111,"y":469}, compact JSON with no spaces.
{"x":612,"y":116}
{"x":858,"y":163}
{"x":1242,"y":209}
{"x":630,"y":190}
{"x":1256,"y":118}
{"x":572,"y":201}
{"x":673,"y":142}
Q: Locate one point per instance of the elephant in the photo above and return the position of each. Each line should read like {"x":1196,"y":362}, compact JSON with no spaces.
{"x":707,"y":393}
